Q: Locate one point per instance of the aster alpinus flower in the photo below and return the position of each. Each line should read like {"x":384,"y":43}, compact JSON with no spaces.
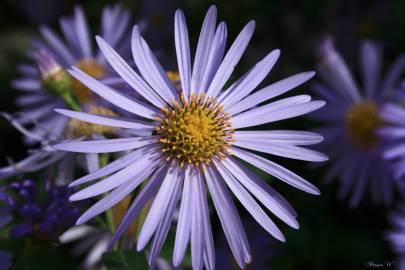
{"x":352,"y":119}
{"x":196,"y":142}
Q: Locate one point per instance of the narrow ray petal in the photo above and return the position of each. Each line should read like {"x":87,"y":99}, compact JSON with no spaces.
{"x":215,"y":56}
{"x":293,"y":137}
{"x":249,"y":203}
{"x":182,"y":51}
{"x":147,"y":193}
{"x":283,"y":150}
{"x":155,"y":213}
{"x":263,"y":192}
{"x":277,"y":115}
{"x":55,"y":42}
{"x":231,"y":59}
{"x":223,"y":204}
{"x":249,"y":82}
{"x":83,"y":34}
{"x":276,"y":170}
{"x":108,"y":120}
{"x":164,"y":226}
{"x":136,"y":169}
{"x":105,"y":146}
{"x":271,"y":91}
{"x":112,"y":96}
{"x":150,"y":68}
{"x":197,"y":226}
{"x":203,"y":48}
{"x":128,"y":74}
{"x":184,"y":222}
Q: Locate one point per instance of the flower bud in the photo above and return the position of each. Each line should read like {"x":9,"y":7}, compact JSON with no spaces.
{"x":55,"y":79}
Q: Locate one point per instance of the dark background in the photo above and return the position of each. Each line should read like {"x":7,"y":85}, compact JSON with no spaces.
{"x":332,"y":236}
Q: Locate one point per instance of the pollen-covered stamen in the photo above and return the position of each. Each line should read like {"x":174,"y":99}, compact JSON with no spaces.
{"x":196,"y":131}
{"x":92,"y":68}
{"x":77,"y":128}
{"x":361,"y":122}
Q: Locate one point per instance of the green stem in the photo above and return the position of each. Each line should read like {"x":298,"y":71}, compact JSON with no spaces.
{"x":70,"y":101}
{"x":110,"y":220}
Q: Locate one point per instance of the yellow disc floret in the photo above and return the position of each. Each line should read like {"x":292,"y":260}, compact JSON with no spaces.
{"x":77,"y":128}
{"x":174,"y":76}
{"x":361,"y":122}
{"x":92,"y":68}
{"x":195,"y":131}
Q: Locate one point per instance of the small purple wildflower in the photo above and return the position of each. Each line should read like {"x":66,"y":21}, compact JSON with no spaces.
{"x":43,"y":220}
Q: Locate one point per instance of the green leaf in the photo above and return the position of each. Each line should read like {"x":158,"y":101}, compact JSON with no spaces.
{"x":125,"y":260}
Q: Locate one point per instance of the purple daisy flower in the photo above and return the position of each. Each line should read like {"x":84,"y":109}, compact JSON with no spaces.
{"x":352,"y":117}
{"x":194,"y":142}
{"x":46,"y":86}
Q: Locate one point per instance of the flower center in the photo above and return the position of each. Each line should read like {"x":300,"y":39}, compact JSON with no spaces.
{"x":92,"y":68}
{"x":77,"y":128}
{"x":195,"y":131}
{"x":361,"y":121}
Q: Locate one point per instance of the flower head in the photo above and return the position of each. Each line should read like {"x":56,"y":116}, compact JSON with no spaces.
{"x":194,"y":141}
{"x":352,"y":119}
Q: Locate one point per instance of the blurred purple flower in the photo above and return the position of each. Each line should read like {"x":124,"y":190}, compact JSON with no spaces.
{"x":37,"y":105}
{"x":192,"y":138}
{"x":49,"y":86}
{"x":352,"y":118}
{"x":43,"y":220}
{"x":394,"y":131}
